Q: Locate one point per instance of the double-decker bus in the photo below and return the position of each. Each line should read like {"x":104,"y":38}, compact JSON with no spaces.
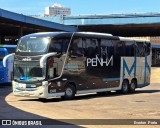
{"x":6,"y":74}
{"x":64,"y":64}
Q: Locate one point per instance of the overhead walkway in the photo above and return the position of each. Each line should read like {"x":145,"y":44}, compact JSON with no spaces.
{"x":147,"y":24}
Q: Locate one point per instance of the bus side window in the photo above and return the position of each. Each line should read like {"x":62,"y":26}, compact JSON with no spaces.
{"x":59,"y":45}
{"x":84,"y":47}
{"x":56,"y":46}
{"x":107,"y":48}
{"x":130,"y":48}
{"x":148,"y":48}
{"x":76,"y":49}
{"x":141,"y":49}
{"x":86,"y":43}
{"x":92,"y":48}
{"x":65,"y":45}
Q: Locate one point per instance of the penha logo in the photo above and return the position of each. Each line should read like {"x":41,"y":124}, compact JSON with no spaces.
{"x":95,"y":61}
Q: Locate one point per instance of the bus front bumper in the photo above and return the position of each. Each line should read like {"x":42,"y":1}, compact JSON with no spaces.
{"x":39,"y":92}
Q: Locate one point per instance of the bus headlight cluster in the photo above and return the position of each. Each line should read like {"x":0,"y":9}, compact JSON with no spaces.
{"x":45,"y":83}
{"x":14,"y":84}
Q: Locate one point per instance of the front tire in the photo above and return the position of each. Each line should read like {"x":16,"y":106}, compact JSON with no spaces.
{"x":69,"y":92}
{"x":125,"y":87}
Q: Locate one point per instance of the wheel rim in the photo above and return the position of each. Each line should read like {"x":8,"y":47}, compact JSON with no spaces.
{"x":69,"y":92}
{"x":133,"y":85}
{"x":125,"y":87}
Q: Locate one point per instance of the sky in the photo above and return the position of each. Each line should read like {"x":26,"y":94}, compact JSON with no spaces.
{"x":83,"y":7}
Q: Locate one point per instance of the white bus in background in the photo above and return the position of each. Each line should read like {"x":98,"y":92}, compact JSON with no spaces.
{"x":65,"y":64}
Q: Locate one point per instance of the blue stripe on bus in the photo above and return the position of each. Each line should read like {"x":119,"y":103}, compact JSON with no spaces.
{"x":125,"y":66}
{"x":129,"y":71}
{"x":148,"y":67}
{"x":134,"y":66}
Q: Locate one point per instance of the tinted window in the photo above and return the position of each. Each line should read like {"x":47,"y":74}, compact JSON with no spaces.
{"x":77,"y":47}
{"x":90,"y":47}
{"x":130,"y":48}
{"x":31,"y":72}
{"x":33,"y":44}
{"x":119,"y":48}
{"x":107,"y":48}
{"x":148,"y":48}
{"x":140,"y":49}
{"x":59,"y":45}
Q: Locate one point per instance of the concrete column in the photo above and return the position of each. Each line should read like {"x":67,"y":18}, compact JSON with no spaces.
{"x":20,"y":32}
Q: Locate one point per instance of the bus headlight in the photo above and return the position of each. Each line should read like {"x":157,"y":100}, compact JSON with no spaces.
{"x":14,"y":85}
{"x":45,"y":83}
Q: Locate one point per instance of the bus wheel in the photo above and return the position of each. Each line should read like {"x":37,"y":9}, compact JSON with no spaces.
{"x":69,"y":92}
{"x":133,"y":85}
{"x":125,"y":87}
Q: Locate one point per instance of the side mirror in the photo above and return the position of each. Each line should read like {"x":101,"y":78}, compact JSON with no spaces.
{"x":6,"y":58}
{"x":44,"y":58}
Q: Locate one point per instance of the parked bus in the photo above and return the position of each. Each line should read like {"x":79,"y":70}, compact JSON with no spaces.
{"x":63,"y":64}
{"x":6,"y":74}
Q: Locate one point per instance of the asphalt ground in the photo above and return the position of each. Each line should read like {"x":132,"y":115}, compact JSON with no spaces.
{"x":10,"y":112}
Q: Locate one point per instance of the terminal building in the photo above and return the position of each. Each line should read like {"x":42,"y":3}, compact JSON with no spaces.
{"x":57,"y":10}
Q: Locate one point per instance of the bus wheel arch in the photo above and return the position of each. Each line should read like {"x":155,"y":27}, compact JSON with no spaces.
{"x":133,"y":85}
{"x":125,"y":86}
{"x":70,"y":91}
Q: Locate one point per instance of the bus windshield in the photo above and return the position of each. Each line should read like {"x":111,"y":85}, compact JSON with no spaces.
{"x":33,"y":44}
{"x":28,"y":73}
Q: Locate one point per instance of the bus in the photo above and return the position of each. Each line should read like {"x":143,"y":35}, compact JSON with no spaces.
{"x":6,"y":74}
{"x":65,"y":64}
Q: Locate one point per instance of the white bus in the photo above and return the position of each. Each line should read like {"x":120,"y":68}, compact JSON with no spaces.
{"x":63,"y":64}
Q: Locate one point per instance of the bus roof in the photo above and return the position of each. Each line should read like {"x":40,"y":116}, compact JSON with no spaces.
{"x":95,"y":33}
{"x":84,"y":34}
{"x":133,"y":39}
{"x":44,"y":34}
